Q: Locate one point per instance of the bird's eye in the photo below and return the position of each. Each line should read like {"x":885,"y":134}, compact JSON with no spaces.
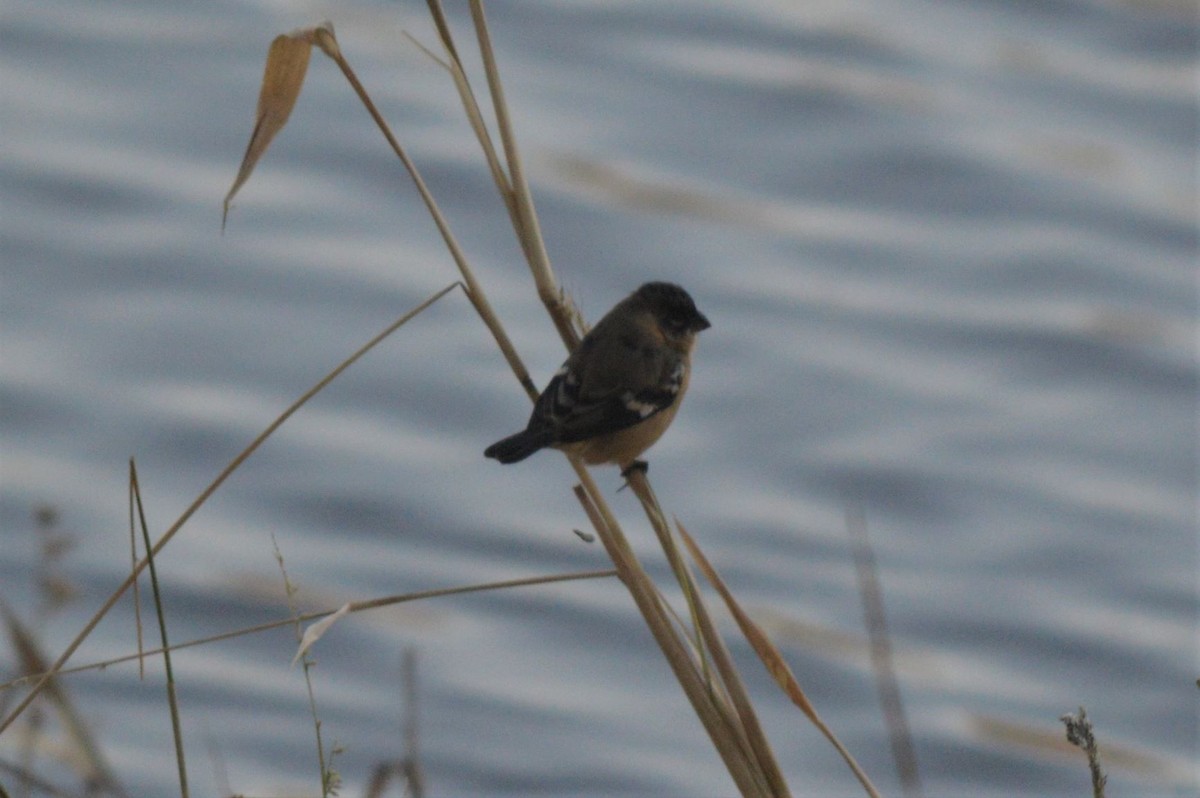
{"x":676,"y":323}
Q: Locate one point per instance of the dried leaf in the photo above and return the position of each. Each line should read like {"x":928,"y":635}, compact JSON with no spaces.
{"x":283,"y":76}
{"x":771,"y":658}
{"x":313,"y":633}
{"x":758,"y":639}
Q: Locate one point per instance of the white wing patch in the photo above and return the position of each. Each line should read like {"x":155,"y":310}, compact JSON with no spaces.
{"x":567,"y":394}
{"x":675,"y":381}
{"x":647,"y":403}
{"x":637,"y":406}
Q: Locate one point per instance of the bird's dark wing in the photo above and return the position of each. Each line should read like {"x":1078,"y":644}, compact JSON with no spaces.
{"x":613,"y":380}
{"x":592,"y":416}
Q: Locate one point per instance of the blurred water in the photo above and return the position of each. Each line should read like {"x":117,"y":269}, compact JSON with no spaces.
{"x":949,"y":253}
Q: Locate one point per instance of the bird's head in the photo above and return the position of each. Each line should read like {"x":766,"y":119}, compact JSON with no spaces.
{"x":673,"y":309}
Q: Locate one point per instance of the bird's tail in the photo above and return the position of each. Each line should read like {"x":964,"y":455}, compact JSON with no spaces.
{"x":517,"y":447}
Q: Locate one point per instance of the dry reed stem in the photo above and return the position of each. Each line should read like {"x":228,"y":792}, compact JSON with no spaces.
{"x":773,"y":660}
{"x":726,"y":685}
{"x":657,"y":614}
{"x":697,"y":684}
{"x":357,"y":606}
{"x":539,"y":263}
{"x":705,"y":694}
{"x":640,"y":484}
{"x":204,"y":496}
{"x":471,"y":107}
{"x":325,"y":39}
{"x":639,"y":584}
{"x":751,"y":732}
{"x":718,"y":723}
{"x":903,"y":751}
{"x":512,"y":187}
{"x":414,"y":775}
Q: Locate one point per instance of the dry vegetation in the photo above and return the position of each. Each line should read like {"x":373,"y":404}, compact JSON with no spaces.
{"x":689,"y":640}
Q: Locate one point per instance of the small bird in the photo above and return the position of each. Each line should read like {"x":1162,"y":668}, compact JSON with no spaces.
{"x":619,"y":390}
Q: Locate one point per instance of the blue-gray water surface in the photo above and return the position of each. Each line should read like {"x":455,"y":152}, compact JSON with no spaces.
{"x":949,"y":252}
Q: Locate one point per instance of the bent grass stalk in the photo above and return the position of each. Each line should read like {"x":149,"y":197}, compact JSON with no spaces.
{"x":355,"y":606}
{"x":135,"y":503}
{"x":203,"y":497}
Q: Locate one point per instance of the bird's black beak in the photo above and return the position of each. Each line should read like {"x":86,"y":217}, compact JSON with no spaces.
{"x":700,"y":322}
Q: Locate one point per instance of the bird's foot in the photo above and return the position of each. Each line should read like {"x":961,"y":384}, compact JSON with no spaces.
{"x":636,"y":465}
